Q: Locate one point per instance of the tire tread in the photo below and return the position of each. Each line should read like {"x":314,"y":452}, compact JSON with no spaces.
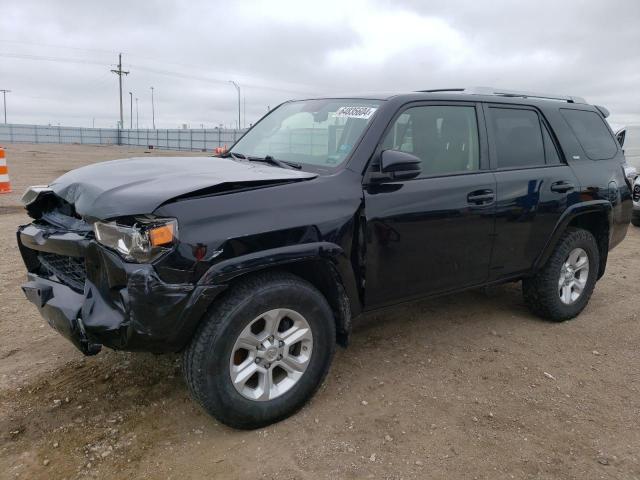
{"x":540,"y":291}
{"x":210,"y":330}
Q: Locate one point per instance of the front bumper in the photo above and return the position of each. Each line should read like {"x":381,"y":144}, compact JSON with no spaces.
{"x":121,"y":305}
{"x":60,"y":306}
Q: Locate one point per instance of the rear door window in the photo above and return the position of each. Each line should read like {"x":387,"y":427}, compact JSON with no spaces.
{"x":592,"y":133}
{"x":517,"y":138}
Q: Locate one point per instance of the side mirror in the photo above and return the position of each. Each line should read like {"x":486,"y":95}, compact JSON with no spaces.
{"x":398,"y":165}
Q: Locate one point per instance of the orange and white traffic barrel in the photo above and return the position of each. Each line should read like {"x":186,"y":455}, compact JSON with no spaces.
{"x":5,"y":184}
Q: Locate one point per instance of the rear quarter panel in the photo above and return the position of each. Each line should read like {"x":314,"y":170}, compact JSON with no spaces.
{"x":598,"y":179}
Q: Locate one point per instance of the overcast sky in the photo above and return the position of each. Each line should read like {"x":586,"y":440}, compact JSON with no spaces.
{"x":55,"y":56}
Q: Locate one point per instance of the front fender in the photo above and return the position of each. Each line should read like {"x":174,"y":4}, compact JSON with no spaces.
{"x":223,"y":272}
{"x":306,"y":260}
{"x":227,"y":270}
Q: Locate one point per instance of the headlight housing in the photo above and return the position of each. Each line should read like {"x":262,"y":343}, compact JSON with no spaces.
{"x":138,"y":239}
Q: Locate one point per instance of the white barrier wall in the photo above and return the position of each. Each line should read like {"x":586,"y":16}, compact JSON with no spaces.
{"x":171,"y":139}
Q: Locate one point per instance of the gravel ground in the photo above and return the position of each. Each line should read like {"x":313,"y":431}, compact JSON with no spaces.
{"x":471,"y":386}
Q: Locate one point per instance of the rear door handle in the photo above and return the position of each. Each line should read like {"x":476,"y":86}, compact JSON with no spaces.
{"x":562,"y":187}
{"x":481,"y":197}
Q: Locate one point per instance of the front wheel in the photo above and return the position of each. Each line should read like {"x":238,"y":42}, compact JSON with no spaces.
{"x":262,"y":352}
{"x":562,"y":288}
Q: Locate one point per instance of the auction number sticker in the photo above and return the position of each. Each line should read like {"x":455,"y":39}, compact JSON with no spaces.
{"x":355,"y":112}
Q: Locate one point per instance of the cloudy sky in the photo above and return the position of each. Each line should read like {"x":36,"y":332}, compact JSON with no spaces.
{"x":56,"y":56}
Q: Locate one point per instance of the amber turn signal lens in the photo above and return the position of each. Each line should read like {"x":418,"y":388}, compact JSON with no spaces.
{"x":161,"y":235}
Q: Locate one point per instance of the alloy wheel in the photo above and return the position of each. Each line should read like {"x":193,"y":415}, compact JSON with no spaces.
{"x":573,"y":276}
{"x":271,"y":354}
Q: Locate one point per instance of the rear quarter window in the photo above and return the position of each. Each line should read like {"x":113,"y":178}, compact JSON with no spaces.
{"x":592,"y":133}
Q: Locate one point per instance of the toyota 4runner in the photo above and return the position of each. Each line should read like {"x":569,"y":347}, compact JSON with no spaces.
{"x":253,"y":264}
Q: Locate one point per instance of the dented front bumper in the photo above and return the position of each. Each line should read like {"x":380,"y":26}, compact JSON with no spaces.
{"x":121,"y":305}
{"x":60,"y":306}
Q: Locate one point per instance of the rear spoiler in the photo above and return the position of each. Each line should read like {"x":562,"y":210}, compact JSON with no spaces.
{"x":602,"y":110}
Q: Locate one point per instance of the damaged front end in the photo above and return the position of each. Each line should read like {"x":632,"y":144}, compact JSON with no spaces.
{"x":91,"y":294}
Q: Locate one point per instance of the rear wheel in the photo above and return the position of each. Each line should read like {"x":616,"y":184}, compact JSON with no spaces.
{"x":562,"y":288}
{"x":262,"y":352}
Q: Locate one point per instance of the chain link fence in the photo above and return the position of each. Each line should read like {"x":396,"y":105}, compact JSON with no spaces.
{"x":204,"y":139}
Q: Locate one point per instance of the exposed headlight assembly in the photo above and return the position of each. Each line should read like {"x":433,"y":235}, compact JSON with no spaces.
{"x":139,"y":239}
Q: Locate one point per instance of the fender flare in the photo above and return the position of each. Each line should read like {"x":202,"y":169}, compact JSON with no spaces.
{"x":226,"y":270}
{"x":574,"y":211}
{"x":340,"y":266}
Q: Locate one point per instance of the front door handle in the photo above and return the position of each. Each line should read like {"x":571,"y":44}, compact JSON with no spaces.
{"x":562,"y":187}
{"x":481,"y":197}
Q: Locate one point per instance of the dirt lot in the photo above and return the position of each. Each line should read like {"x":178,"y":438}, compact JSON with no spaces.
{"x":466,"y":387}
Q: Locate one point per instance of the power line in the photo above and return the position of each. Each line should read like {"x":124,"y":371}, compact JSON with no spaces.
{"x":50,"y":45}
{"x":170,"y":73}
{"x":216,"y":80}
{"x":48,"y":58}
{"x":293,"y":89}
{"x":142,"y":57}
{"x":120,"y":72}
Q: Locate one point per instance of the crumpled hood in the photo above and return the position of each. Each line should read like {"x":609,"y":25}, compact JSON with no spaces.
{"x":140,"y":185}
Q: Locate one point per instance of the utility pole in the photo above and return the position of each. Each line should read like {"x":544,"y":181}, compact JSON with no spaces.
{"x":120,"y":72}
{"x":131,"y":113}
{"x":137,"y":124}
{"x":153,"y":111}
{"x":238,"y":89}
{"x":244,"y":110}
{"x":4,"y":101}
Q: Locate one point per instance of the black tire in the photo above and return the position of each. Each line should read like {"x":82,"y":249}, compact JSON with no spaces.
{"x":206,"y":360}
{"x":541,"y":291}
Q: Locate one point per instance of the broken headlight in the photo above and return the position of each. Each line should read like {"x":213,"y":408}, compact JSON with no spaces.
{"x":140,"y":239}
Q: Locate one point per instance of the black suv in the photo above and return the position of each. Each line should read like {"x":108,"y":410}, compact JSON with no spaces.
{"x":254,"y":263}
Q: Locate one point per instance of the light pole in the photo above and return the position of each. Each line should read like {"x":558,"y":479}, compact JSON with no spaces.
{"x":238,"y":89}
{"x":137,"y":124}
{"x":4,"y":101}
{"x":153,"y":111}
{"x":131,"y":111}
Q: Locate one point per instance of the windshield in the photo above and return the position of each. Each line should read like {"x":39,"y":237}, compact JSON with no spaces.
{"x":310,"y":132}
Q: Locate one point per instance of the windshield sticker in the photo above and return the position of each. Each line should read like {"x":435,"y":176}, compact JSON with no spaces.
{"x":355,"y":112}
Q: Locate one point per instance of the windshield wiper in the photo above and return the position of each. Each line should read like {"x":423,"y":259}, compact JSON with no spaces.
{"x":276,"y":162}
{"x":265,"y":159}
{"x":235,"y":156}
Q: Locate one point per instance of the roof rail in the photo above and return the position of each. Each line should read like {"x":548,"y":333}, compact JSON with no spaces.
{"x":507,"y":93}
